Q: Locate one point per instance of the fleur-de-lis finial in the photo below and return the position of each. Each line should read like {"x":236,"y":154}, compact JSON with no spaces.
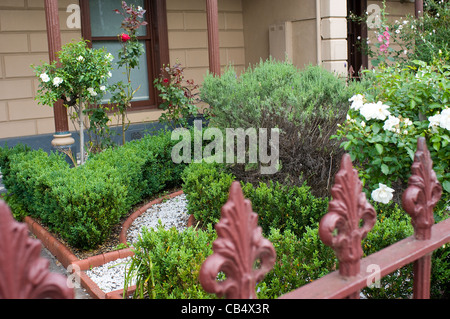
{"x":423,"y":192}
{"x":23,"y":273}
{"x":239,"y":245}
{"x":347,"y":210}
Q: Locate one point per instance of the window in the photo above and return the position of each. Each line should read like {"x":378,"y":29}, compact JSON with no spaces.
{"x":101,"y":25}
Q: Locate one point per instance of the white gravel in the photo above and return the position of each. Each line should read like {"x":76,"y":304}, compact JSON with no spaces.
{"x":172,"y":213}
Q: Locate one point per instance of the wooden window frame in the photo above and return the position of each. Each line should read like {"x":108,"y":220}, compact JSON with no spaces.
{"x":156,"y":41}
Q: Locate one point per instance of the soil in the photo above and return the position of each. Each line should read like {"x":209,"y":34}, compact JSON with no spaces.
{"x":112,"y":242}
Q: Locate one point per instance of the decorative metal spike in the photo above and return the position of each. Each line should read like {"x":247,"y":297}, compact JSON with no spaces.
{"x":341,"y":227}
{"x":23,"y":273}
{"x":239,"y":245}
{"x":423,"y":192}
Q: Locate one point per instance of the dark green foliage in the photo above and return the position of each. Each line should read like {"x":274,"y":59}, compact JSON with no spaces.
{"x":305,"y":105}
{"x":82,"y":204}
{"x":206,"y":187}
{"x":167,"y":263}
{"x":285,"y":208}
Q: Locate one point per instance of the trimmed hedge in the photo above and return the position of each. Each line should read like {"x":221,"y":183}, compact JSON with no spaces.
{"x":282,"y":207}
{"x":82,"y":204}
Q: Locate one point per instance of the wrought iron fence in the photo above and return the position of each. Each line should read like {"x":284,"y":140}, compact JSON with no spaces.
{"x":350,"y":218}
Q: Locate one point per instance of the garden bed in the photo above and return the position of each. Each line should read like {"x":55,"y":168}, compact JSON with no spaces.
{"x":77,"y":260}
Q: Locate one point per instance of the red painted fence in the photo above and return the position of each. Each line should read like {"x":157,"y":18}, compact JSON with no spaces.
{"x":348,"y":221}
{"x":23,"y":273}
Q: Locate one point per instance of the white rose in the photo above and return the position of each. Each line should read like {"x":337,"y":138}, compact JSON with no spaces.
{"x":92,"y":92}
{"x":110,"y":57}
{"x":357,"y":101}
{"x":103,"y":88}
{"x":391,"y":123}
{"x":378,"y":111}
{"x":444,"y":120}
{"x":57,"y":81}
{"x":44,"y":77}
{"x":434,"y":120}
{"x":80,"y":58}
{"x":383,"y":194}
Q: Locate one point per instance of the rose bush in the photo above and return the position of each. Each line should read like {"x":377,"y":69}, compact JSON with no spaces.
{"x":128,"y":57}
{"x":79,"y":79}
{"x":177,"y":94}
{"x":384,"y":123}
{"x":409,"y":38}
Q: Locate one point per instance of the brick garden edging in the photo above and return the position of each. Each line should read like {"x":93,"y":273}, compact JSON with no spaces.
{"x":67,"y":258}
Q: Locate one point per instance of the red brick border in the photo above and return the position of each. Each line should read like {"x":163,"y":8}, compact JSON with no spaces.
{"x":67,"y":258}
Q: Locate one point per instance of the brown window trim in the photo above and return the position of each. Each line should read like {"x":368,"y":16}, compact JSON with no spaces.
{"x":157,"y":43}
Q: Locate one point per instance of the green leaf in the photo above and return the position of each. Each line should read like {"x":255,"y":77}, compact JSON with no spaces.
{"x":376,"y":128}
{"x":437,"y":146}
{"x":385,"y":169}
{"x":379,"y":148}
{"x":446,"y":186}
{"x":410,"y":153}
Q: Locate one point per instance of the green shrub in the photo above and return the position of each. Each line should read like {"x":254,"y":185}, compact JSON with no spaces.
{"x":301,"y":255}
{"x":206,"y":186}
{"x":393,"y":224}
{"x":300,"y":260}
{"x":305,"y":105}
{"x":167,"y":263}
{"x":292,"y":208}
{"x":383,"y":149}
{"x":285,"y":207}
{"x":82,"y":204}
{"x":159,"y":171}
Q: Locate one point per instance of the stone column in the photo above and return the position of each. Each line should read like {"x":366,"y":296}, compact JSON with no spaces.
{"x":334,"y":35}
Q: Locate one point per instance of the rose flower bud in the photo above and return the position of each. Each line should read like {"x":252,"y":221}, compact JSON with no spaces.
{"x":124,"y":37}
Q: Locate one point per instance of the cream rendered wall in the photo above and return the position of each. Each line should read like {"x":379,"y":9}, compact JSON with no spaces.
{"x":259,"y":15}
{"x":23,"y":41}
{"x":188,"y":37}
{"x":397,"y":10}
{"x":300,"y":17}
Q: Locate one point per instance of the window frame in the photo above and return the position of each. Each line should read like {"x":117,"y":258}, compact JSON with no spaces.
{"x":156,"y":42}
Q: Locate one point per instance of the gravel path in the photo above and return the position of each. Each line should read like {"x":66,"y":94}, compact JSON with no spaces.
{"x":172,"y":213}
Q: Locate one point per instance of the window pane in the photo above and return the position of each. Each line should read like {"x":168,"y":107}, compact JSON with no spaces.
{"x":105,"y":22}
{"x":139,"y":76}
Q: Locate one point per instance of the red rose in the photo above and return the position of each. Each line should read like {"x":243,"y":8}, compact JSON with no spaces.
{"x":166,"y":80}
{"x":125,"y":37}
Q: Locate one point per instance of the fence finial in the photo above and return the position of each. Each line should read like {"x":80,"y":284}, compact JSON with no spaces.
{"x":23,"y":273}
{"x":423,"y":192}
{"x":239,"y":245}
{"x":347,"y":210}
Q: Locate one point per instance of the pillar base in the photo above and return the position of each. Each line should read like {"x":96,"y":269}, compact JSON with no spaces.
{"x":63,"y":140}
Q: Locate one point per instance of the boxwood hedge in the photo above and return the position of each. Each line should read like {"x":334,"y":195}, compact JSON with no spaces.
{"x":83,"y":203}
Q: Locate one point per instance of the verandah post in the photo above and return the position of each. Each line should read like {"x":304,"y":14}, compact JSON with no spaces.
{"x":212,"y":11}
{"x":62,"y":137}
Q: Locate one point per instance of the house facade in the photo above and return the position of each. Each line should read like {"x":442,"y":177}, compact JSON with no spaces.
{"x":202,"y":35}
